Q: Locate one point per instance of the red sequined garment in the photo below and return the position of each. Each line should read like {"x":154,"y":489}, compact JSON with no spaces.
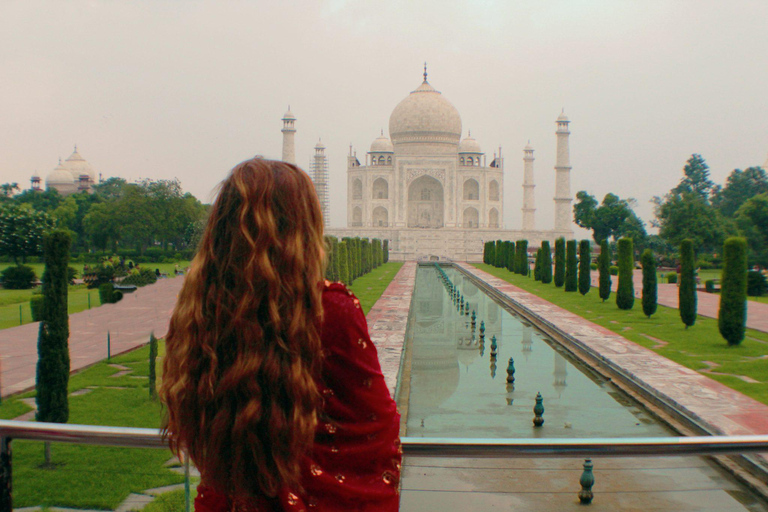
{"x":355,"y":462}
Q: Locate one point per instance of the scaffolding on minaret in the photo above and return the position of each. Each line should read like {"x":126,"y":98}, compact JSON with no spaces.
{"x":318,"y":171}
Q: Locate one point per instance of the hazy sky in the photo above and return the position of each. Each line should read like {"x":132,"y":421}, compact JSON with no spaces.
{"x":188,"y":89}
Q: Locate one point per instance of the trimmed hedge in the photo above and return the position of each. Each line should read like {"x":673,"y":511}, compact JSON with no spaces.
{"x":571,"y":267}
{"x":650,"y":289}
{"x":546,"y":263}
{"x":585,"y":267}
{"x":756,"y":283}
{"x":625,"y":293}
{"x":18,"y":277}
{"x":604,"y":267}
{"x":559,"y":262}
{"x":537,"y":266}
{"x":672,"y":278}
{"x":53,"y":337}
{"x":522,"y":258}
{"x":732,"y":317}
{"x":686,"y":293}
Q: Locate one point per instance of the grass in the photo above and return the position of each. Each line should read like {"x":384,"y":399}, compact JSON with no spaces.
{"x":368,"y":288}
{"x":696,"y":347}
{"x":94,"y":477}
{"x":10,"y":300}
{"x":102,"y":477}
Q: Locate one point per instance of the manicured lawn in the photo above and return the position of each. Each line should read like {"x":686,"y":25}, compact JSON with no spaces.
{"x":368,"y":288}
{"x":10,"y":300}
{"x":699,"y":347}
{"x":94,"y":477}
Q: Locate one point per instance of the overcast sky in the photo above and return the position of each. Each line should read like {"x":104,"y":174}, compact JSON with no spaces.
{"x":187,"y":89}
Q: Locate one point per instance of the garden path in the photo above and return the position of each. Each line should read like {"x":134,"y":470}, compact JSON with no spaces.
{"x":128,"y":323}
{"x":707,"y":303}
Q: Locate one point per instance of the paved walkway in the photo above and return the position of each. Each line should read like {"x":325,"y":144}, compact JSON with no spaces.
{"x":388,"y":319}
{"x":129,"y":324}
{"x":708,"y":304}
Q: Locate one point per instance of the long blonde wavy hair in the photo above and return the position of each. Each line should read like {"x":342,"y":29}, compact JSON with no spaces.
{"x":243,"y":346}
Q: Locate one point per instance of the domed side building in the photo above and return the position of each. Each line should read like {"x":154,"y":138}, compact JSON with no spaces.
{"x":434,"y":195}
{"x":75,"y":174}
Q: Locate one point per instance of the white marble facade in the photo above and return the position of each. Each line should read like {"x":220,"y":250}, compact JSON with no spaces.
{"x":434,"y":195}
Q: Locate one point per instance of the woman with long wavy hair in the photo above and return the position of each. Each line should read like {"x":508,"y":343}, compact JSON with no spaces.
{"x":271,"y":382}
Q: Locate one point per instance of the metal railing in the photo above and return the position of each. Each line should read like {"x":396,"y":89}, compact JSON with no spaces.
{"x":412,"y":446}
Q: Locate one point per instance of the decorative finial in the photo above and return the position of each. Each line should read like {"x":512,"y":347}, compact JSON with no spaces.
{"x":425,"y":71}
{"x":59,"y":160}
{"x":382,"y":132}
{"x":75,"y":148}
{"x":469,"y":133}
{"x":529,"y":141}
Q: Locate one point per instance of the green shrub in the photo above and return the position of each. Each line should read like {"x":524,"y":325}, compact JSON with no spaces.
{"x":546,"y":262}
{"x":732,"y":317}
{"x":756,"y":284}
{"x":672,"y":277}
{"x":18,"y":277}
{"x":52,"y":342}
{"x":593,"y":266}
{"x":501,"y":255}
{"x":571,"y":267}
{"x":585,"y":279}
{"x":625,"y":292}
{"x":71,"y":275}
{"x":537,"y":266}
{"x":509,"y":256}
{"x":36,"y":306}
{"x":613,"y":270}
{"x":108,"y":294}
{"x":523,"y":268}
{"x":559,"y":262}
{"x":709,"y":285}
{"x":650,"y":289}
{"x":687,"y":291}
{"x":605,"y":270}
{"x":143,"y":277}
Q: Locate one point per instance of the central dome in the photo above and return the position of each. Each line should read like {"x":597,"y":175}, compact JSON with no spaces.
{"x":425,"y":116}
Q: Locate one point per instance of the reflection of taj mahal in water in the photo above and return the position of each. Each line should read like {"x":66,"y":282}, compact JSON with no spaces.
{"x":434,"y":195}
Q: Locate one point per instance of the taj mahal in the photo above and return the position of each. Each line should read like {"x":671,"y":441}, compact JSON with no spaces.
{"x":432,"y":194}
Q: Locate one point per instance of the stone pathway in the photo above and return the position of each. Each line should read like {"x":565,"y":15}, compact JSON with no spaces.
{"x":708,"y":304}
{"x":388,"y":319}
{"x":129,"y":324}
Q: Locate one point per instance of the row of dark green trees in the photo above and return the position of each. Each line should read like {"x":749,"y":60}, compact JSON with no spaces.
{"x":574,"y":273}
{"x":350,"y":258}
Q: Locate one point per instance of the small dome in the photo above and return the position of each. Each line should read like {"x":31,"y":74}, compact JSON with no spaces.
{"x":289,"y":115}
{"x":528,"y":147}
{"x":425,"y":116}
{"x":59,"y":176}
{"x":469,"y":145}
{"x":78,"y":166}
{"x":36,"y":175}
{"x":562,"y":118}
{"x":319,"y":145}
{"x":382,"y":144}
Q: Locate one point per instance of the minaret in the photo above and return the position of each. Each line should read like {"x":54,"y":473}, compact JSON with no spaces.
{"x":319,"y":175}
{"x":562,"y":177}
{"x":289,"y":132}
{"x":529,"y":204}
{"x":36,"y":182}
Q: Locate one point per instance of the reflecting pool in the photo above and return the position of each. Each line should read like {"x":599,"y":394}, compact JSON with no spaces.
{"x":459,"y":389}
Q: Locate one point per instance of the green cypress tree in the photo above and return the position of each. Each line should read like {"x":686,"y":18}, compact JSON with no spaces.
{"x":522,"y":258}
{"x":732,"y":317}
{"x":571,"y":267}
{"x":686,"y":292}
{"x":386,"y":250}
{"x":537,"y":266}
{"x":559,"y":262}
{"x":152,"y":367}
{"x":585,"y":271}
{"x":650,"y":291}
{"x":625,"y":293}
{"x":546,"y":262}
{"x":604,"y":267}
{"x":509,"y":255}
{"x":500,"y":255}
{"x":485,"y":252}
{"x":343,"y":262}
{"x":53,"y":338}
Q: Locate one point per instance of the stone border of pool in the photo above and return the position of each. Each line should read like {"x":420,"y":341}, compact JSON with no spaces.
{"x":388,"y":322}
{"x":701,"y":404}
